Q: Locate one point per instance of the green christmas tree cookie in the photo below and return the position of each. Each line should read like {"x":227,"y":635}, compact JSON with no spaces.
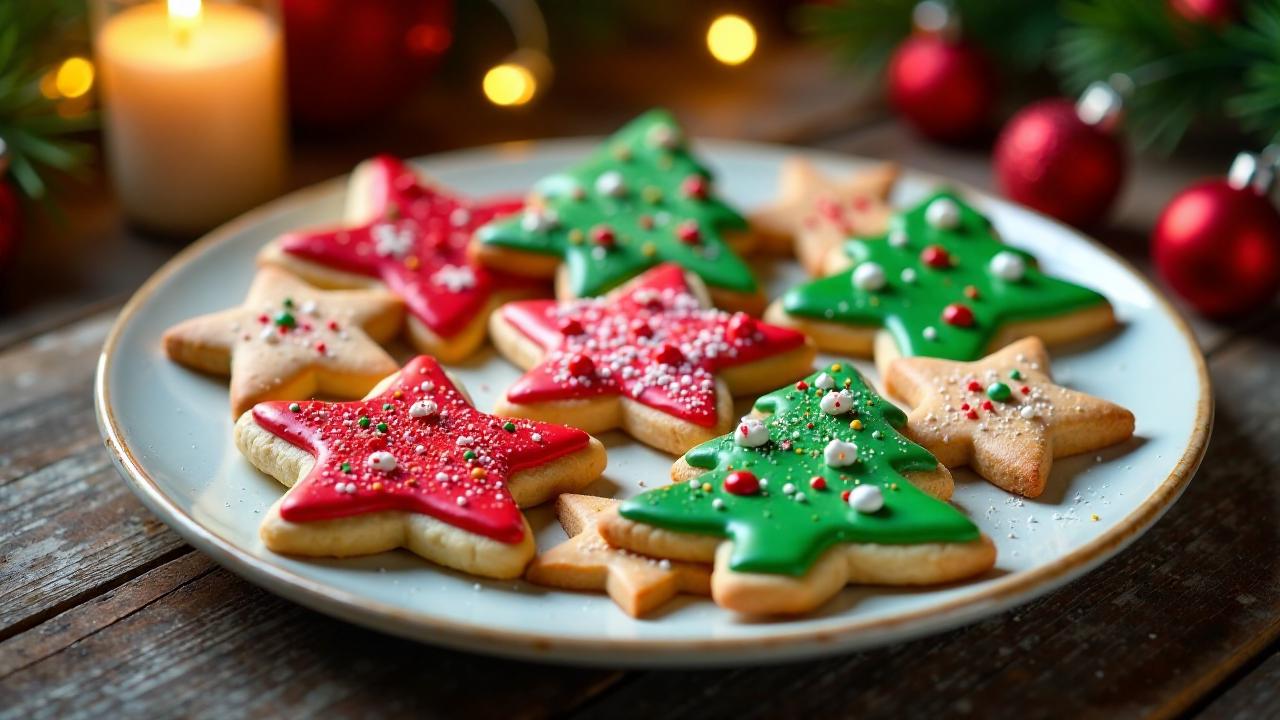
{"x":641,"y":199}
{"x":942,"y":284}
{"x":813,"y":491}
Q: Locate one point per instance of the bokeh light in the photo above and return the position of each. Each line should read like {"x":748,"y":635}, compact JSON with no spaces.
{"x":74,"y":77}
{"x":510,"y":84}
{"x":731,"y":39}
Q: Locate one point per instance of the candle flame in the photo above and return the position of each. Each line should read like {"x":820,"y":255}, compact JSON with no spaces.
{"x":184,"y":15}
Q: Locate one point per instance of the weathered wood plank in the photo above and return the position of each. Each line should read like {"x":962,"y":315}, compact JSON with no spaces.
{"x":69,"y":528}
{"x":1148,"y":633}
{"x":1256,"y":695}
{"x":215,"y":646}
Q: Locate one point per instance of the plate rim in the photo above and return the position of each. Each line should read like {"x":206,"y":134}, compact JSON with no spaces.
{"x":1001,"y":595}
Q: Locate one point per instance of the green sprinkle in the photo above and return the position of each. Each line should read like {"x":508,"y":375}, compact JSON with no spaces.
{"x":381,"y":427}
{"x":999,"y":392}
{"x":286,"y":319}
{"x":386,"y":406}
{"x":1015,"y":374}
{"x":509,"y":426}
{"x":363,"y":422}
{"x":346,"y":467}
{"x":288,"y":302}
{"x":295,"y":407}
{"x":469,"y":455}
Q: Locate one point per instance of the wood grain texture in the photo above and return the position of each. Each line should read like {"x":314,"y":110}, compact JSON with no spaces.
{"x":69,"y":527}
{"x":1256,"y":695}
{"x":211,"y":645}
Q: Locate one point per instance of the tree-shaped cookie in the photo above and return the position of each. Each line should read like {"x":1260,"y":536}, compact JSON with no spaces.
{"x":289,"y":340}
{"x":411,"y":236}
{"x":638,"y":584}
{"x":816,"y":490}
{"x":1003,"y":415}
{"x":814,"y":213}
{"x":414,"y":465}
{"x":939,"y":284}
{"x":641,"y":199}
{"x":650,"y":357}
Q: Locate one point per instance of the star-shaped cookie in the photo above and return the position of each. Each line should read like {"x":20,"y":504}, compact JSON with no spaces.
{"x":411,"y":236}
{"x":290,"y":340}
{"x":414,"y":465}
{"x":651,"y":357}
{"x":1003,"y":415}
{"x":638,"y":584}
{"x":815,"y":213}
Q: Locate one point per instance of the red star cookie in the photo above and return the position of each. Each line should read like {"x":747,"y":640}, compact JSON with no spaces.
{"x":289,"y":340}
{"x":651,"y":358}
{"x":414,"y":466}
{"x":412,"y":237}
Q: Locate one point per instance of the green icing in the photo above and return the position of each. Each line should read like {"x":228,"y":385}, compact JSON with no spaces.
{"x":654,"y":162}
{"x":773,"y":532}
{"x":911,"y":309}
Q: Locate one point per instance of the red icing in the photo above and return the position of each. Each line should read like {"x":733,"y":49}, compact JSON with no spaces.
{"x":332,"y":433}
{"x":655,"y":343}
{"x":436,"y":227}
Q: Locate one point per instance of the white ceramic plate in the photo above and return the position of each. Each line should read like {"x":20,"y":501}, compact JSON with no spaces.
{"x":170,"y":433}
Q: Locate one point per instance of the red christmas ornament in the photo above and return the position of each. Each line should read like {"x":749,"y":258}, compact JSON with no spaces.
{"x":1217,"y":243}
{"x":10,"y":223}
{"x":1062,"y":158}
{"x":1209,"y":12}
{"x":349,"y":61}
{"x":940,"y":84}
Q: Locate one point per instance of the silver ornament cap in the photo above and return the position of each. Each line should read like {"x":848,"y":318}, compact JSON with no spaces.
{"x":1101,"y":105}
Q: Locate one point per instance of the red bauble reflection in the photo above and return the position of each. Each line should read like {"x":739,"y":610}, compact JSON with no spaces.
{"x":1048,"y":159}
{"x":1210,"y":12}
{"x":944,"y":88}
{"x":351,"y":60}
{"x":1219,"y":247}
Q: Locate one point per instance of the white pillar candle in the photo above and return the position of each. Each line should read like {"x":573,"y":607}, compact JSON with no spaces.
{"x":195,"y":120}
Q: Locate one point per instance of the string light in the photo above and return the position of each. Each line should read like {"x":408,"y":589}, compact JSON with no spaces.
{"x":510,"y":84}
{"x":731,"y":39}
{"x":74,"y":77}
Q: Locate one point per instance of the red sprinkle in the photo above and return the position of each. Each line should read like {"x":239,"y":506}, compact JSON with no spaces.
{"x":333,"y":325}
{"x":936,"y":256}
{"x":741,"y":482}
{"x":844,"y":495}
{"x":320,"y":348}
{"x":603,"y":236}
{"x":802,"y":386}
{"x":964,"y":406}
{"x":263,"y":319}
{"x":581,"y":365}
{"x":695,"y":186}
{"x":817,"y":482}
{"x":688,"y":232}
{"x":669,"y":354}
{"x":958,"y":315}
{"x":1025,"y":390}
{"x":974,"y":386}
{"x":986,"y":405}
{"x":741,"y":327}
{"x":971,"y":292}
{"x":808,"y":426}
{"x":641,"y":329}
{"x":973,"y":415}
{"x":569,"y":326}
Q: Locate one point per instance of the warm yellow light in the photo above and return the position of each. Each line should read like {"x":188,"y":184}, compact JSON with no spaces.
{"x":509,"y":84}
{"x":184,"y":15}
{"x":731,"y":39}
{"x":74,"y":77}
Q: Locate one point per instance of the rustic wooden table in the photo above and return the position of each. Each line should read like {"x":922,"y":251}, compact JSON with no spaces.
{"x":105,"y":612}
